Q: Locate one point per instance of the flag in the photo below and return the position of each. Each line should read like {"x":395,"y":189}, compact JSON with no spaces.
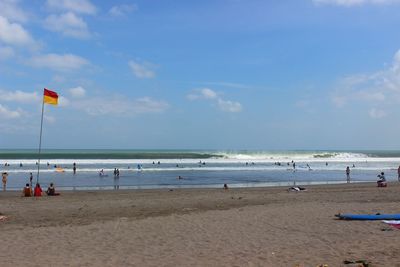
{"x":50,"y":97}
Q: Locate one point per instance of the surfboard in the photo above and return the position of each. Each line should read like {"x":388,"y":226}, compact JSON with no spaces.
{"x":368,"y":216}
{"x":60,"y":170}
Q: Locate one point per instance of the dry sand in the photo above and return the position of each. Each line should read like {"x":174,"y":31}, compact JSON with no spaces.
{"x":200,"y":227}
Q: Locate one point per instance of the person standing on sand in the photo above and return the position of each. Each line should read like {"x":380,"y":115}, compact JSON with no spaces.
{"x":348,"y":174}
{"x":398,"y":173}
{"x":30,"y":179}
{"x":4,"y":180}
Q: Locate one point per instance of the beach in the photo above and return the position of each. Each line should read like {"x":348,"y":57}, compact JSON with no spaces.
{"x":200,"y":227}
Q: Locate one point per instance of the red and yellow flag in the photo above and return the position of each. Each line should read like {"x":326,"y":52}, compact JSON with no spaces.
{"x":50,"y":97}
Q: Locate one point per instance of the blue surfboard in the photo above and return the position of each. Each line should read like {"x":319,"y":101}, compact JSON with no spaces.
{"x":377,"y":216}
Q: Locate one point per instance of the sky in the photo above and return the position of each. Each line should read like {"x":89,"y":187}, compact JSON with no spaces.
{"x":211,"y":74}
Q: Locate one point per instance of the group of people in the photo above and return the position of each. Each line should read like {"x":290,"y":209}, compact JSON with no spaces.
{"x":37,"y":191}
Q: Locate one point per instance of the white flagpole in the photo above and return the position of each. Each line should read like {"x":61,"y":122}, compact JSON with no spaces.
{"x":40,"y":143}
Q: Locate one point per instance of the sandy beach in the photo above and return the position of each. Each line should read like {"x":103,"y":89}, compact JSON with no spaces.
{"x":200,"y":227}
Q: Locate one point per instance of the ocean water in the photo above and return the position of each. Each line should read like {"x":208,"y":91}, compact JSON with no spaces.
{"x":142,"y":169}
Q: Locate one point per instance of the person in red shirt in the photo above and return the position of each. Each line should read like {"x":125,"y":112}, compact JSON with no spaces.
{"x":38,"y":191}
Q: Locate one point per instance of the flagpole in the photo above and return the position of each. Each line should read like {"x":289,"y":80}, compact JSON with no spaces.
{"x":40,"y":143}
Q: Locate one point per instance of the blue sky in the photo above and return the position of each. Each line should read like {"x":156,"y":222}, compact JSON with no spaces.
{"x":222,"y":74}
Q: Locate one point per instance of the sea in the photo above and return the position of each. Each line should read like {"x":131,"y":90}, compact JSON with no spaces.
{"x":153,"y":169}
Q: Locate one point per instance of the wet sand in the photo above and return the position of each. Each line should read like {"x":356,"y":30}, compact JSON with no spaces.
{"x":200,"y":227}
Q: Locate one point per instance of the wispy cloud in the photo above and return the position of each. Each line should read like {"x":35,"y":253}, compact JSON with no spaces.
{"x":350,"y":3}
{"x":376,"y":113}
{"x":211,"y":95}
{"x":229,"y":106}
{"x":56,"y":62}
{"x":11,"y":10}
{"x":63,"y":101}
{"x":68,"y":24}
{"x":203,"y":93}
{"x":9,"y":114}
{"x":19,"y":96}
{"x":77,"y":92}
{"x":77,"y":6}
{"x":13,"y":33}
{"x":122,"y":10}
{"x":143,"y":70}
{"x":371,"y":89}
{"x":229,"y":84}
{"x":120,"y":106}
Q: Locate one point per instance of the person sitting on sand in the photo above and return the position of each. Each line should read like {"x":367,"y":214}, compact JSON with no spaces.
{"x":382,"y":180}
{"x":38,"y":191}
{"x":27,"y":191}
{"x":51,"y":191}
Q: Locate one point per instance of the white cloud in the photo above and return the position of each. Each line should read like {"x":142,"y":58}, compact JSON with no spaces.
{"x":58,"y":78}
{"x":10,"y":10}
{"x":6,"y":113}
{"x":68,"y":24}
{"x":142,"y":70}
{"x":77,"y":92}
{"x":13,"y":33}
{"x":63,"y":101}
{"x":372,"y":96}
{"x":6,"y":52}
{"x":120,"y":106}
{"x":122,"y":10}
{"x":203,"y":93}
{"x":78,"y":6}
{"x":349,"y":3}
{"x":66,"y":62}
{"x":19,"y":96}
{"x":229,"y":84}
{"x":229,"y":106}
{"x":208,"y":94}
{"x":370,"y":89}
{"x":376,"y":113}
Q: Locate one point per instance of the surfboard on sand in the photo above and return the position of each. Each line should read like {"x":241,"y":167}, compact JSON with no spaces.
{"x":366,"y":217}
